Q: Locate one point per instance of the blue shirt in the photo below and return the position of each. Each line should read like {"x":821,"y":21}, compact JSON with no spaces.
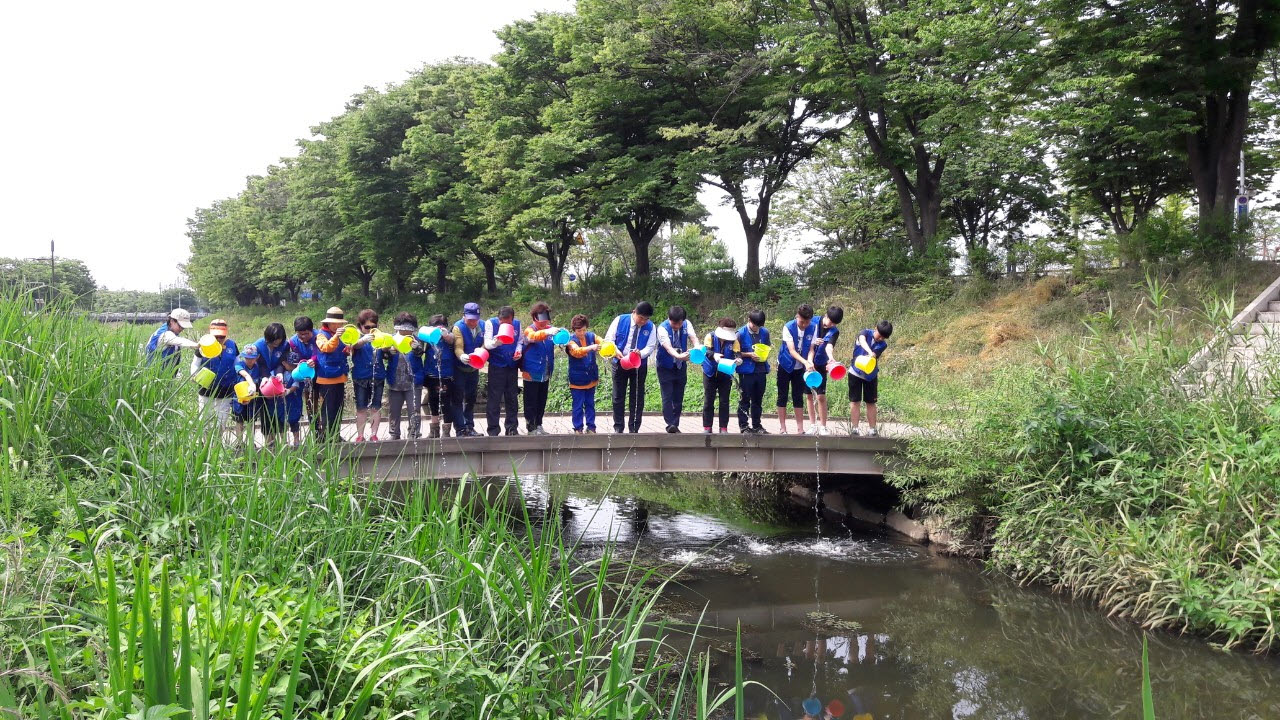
{"x":877,"y":347}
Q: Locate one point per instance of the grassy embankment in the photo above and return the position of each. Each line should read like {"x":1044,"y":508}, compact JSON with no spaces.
{"x":151,"y":572}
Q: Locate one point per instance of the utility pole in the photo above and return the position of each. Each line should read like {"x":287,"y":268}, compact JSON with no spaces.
{"x":53,"y":273}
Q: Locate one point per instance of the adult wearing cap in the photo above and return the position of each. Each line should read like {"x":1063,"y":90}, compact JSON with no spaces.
{"x":468,"y":338}
{"x":331,"y":374}
{"x":220,"y":395}
{"x":166,"y":342}
{"x":631,"y":332}
{"x":504,"y":373}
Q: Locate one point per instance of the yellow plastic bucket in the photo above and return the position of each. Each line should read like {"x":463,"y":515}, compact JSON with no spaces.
{"x":761,"y":350}
{"x":866,"y":364}
{"x":205,"y":377}
{"x":404,"y":343}
{"x":608,"y":349}
{"x":210,"y":347}
{"x":245,"y":392}
{"x":350,"y":334}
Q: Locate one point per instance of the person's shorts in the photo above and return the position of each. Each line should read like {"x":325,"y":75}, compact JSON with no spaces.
{"x":861,"y":390}
{"x":793,"y":383}
{"x":821,"y":389}
{"x":241,"y":412}
{"x":217,"y":391}
{"x":368,"y":393}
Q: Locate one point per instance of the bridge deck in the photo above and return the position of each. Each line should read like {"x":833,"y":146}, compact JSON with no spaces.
{"x":625,"y":453}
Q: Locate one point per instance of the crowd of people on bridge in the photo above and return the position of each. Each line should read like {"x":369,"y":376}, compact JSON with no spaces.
{"x":434,"y":370}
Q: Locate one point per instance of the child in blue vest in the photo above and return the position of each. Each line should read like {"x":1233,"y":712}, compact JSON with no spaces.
{"x":863,"y":386}
{"x":722,"y":344}
{"x":438,"y":364}
{"x":405,"y":375}
{"x":221,"y":394}
{"x":793,"y":363}
{"x":367,"y":377}
{"x":631,"y":332}
{"x":167,"y":340}
{"x":537,"y":366}
{"x":753,"y":374}
{"x":676,"y":337}
{"x":504,"y":373}
{"x":584,"y":374}
{"x":468,"y":337}
{"x":820,"y":354}
{"x":299,"y":349}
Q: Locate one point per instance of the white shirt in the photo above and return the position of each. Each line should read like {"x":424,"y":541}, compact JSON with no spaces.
{"x":491,"y":340}
{"x":645,"y":351}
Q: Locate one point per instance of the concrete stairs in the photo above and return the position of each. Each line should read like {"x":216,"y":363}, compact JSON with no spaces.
{"x":1244,"y":357}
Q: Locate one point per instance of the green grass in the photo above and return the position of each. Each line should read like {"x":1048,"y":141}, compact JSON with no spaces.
{"x":152,"y":572}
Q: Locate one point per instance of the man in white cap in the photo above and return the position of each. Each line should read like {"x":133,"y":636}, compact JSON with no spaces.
{"x":167,"y":340}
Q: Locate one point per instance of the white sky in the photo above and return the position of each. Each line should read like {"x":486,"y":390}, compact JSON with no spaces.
{"x":122,"y":118}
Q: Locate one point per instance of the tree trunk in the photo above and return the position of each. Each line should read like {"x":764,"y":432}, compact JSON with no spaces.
{"x":489,"y":263}
{"x":365,"y":276}
{"x":1213,"y":153}
{"x":442,"y":276}
{"x":753,"y":229}
{"x":642,"y":234}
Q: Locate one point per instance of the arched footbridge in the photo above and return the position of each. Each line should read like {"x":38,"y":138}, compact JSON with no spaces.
{"x":620,"y":453}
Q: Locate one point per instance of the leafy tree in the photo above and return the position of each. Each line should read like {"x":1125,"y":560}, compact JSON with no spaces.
{"x":702,"y":257}
{"x":843,"y":198}
{"x":73,"y":282}
{"x":225,"y":262}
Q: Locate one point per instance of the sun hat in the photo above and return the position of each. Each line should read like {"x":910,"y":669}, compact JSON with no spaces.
{"x":218,"y":328}
{"x":726,"y":334}
{"x":182,"y":317}
{"x":333,"y":317}
{"x":250,"y":352}
{"x":471,"y":311}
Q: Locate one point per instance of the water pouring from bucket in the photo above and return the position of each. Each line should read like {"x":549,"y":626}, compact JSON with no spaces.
{"x":478,"y":358}
{"x":838,"y":372}
{"x":506,"y":333}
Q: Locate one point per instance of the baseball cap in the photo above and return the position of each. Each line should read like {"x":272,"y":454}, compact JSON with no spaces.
{"x":218,"y":328}
{"x":182,"y":317}
{"x":471,"y":311}
{"x":250,"y":352}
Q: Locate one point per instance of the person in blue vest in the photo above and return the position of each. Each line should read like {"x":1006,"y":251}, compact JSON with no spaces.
{"x":504,"y":373}
{"x":538,"y":365}
{"x":247,"y":368}
{"x":467,"y":338}
{"x":676,"y":337}
{"x":331,"y":376}
{"x":863,"y":386}
{"x":722,"y":344}
{"x":584,"y":374}
{"x":220,"y":396}
{"x":368,"y":377}
{"x":438,"y":377}
{"x":258,"y":361}
{"x":299,"y":349}
{"x":753,"y":373}
{"x":820,"y":354}
{"x":793,"y":363}
{"x":631,"y":332}
{"x":404,"y":376}
{"x":166,"y":342}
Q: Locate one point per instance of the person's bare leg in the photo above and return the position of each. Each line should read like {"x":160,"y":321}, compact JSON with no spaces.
{"x":782,"y":419}
{"x":799,"y":413}
{"x":855,"y":416}
{"x":821,"y":403}
{"x":811,"y":407}
{"x":871,"y":415}
{"x":361,"y":415}
{"x":375,"y":421}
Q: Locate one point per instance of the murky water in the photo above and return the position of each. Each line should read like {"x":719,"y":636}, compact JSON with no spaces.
{"x":891,"y":629}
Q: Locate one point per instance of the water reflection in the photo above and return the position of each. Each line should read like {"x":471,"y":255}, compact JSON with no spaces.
{"x":885,"y":629}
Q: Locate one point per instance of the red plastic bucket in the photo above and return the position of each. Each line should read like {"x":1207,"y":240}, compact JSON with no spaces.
{"x":506,"y":333}
{"x":478,"y":358}
{"x":838,"y":372}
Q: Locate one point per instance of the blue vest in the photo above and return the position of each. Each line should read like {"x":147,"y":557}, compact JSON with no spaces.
{"x":470,"y":341}
{"x":362,"y":362}
{"x":583,"y":370}
{"x":822,"y":355}
{"x":801,"y":343}
{"x":167,"y":354}
{"x":876,"y":347}
{"x":504,"y":356}
{"x":624,"y":331}
{"x":438,"y":360}
{"x":224,"y":365}
{"x":415,"y":365}
{"x":717,"y":346}
{"x":331,"y":364}
{"x":539,"y":359}
{"x":748,"y":365}
{"x":268,"y":358}
{"x":679,"y":343}
{"x":298,"y":351}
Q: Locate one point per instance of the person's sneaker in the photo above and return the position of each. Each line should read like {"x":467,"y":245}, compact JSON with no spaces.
{"x":724,"y":430}
{"x":673,"y":429}
{"x":872,"y":432}
{"x":359,"y":438}
{"x":539,"y":431}
{"x":577,"y":431}
{"x":747,"y":431}
{"x":854,"y":432}
{"x":591,"y":431}
{"x":812,"y":430}
{"x":822,"y":430}
{"x":706,"y":430}
{"x":512,"y":433}
{"x":759,"y":430}
{"x":471,"y":432}
{"x":373,"y":438}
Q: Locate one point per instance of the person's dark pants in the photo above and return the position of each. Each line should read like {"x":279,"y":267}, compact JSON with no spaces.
{"x":535,"y":403}
{"x":504,"y":391}
{"x":791,"y":382}
{"x":716,"y":386}
{"x":464,"y":401}
{"x":328,"y":421}
{"x":751,"y":397}
{"x":628,"y":385}
{"x":672,"y":382}
{"x":440,"y":400}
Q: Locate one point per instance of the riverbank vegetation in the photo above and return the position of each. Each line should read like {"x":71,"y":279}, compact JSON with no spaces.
{"x":151,"y":572}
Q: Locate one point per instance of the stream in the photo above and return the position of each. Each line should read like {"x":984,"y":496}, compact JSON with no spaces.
{"x":883,"y":627}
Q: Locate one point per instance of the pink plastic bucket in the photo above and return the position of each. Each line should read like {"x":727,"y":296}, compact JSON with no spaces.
{"x":506,"y":334}
{"x":838,"y":372}
{"x":478,"y":358}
